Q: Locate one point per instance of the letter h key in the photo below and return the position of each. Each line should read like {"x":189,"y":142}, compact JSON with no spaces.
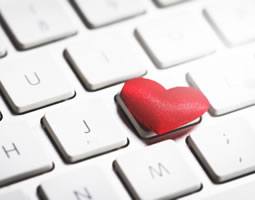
{"x":11,"y":150}
{"x":21,"y":155}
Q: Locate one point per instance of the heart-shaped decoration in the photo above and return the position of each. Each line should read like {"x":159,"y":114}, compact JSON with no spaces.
{"x":162,"y":110}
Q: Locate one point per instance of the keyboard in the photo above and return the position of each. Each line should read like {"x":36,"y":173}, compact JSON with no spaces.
{"x":65,"y":133}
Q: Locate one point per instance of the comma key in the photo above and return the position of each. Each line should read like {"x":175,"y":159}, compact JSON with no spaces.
{"x":235,"y":143}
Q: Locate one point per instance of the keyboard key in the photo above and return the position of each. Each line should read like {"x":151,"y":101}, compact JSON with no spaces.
{"x":84,"y":130}
{"x":235,"y":152}
{"x":233,"y":20}
{"x":164,"y":3}
{"x":14,"y":195}
{"x":21,"y":154}
{"x":173,"y":40}
{"x":102,"y":12}
{"x":33,"y":82}
{"x":35,"y":22}
{"x":102,"y":61}
{"x":245,"y":191}
{"x":150,"y":135}
{"x":149,"y":173}
{"x":226,"y":80}
{"x":86,"y":183}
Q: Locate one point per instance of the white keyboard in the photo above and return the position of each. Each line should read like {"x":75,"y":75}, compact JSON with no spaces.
{"x":63,"y":132}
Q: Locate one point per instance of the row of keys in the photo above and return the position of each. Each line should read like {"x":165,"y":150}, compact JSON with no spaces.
{"x":78,"y":134}
{"x":160,"y":171}
{"x":245,"y":191}
{"x":32,"y":24}
{"x":160,"y":165}
{"x":27,"y":86}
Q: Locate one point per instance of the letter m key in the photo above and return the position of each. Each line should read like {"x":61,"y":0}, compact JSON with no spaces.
{"x":158,"y":171}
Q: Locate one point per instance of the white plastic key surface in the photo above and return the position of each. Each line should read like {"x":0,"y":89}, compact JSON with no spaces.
{"x":84,"y":130}
{"x":35,"y":22}
{"x":87,"y":183}
{"x":226,"y":149}
{"x":103,"y":61}
{"x":102,"y":12}
{"x":21,"y":154}
{"x":227,"y":80}
{"x":233,"y":20}
{"x":157,"y":172}
{"x":32,"y":82}
{"x":242,"y":191}
{"x":14,"y":195}
{"x":172,"y":40}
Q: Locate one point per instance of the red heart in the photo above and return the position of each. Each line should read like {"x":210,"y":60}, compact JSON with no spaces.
{"x":162,"y":110}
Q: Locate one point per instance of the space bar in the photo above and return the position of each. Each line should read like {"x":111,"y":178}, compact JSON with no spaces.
{"x":245,"y":191}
